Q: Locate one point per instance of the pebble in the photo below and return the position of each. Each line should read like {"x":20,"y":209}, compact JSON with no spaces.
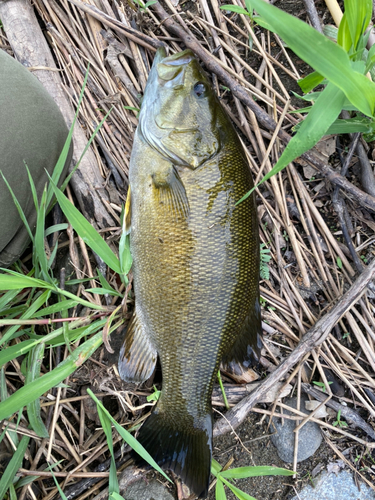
{"x":150,"y":490}
{"x":309,"y":438}
{"x":339,"y":486}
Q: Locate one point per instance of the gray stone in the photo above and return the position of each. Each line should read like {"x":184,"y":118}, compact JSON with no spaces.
{"x":147,"y":490}
{"x":335,"y":487}
{"x":309,"y":437}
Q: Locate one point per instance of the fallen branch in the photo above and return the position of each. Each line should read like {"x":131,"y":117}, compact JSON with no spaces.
{"x":314,"y":337}
{"x":264,"y":119}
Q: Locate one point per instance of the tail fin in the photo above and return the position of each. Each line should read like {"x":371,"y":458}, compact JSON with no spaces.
{"x":180,"y":447}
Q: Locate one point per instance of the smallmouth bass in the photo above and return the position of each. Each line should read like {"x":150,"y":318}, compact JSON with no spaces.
{"x":195,"y":261}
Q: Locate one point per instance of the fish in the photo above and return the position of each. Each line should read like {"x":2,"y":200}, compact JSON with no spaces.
{"x":195,"y":258}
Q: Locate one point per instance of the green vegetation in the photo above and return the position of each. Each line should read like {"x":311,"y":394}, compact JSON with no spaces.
{"x":225,"y":478}
{"x":341,"y":67}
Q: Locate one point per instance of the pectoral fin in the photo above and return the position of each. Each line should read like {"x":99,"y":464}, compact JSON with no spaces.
{"x":137,"y":355}
{"x":171,"y":192}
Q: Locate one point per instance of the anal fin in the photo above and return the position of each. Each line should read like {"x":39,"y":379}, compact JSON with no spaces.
{"x":246,"y":350}
{"x":138,"y":356}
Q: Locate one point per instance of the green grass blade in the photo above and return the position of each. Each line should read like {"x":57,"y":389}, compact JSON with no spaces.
{"x":17,"y":281}
{"x":33,"y":408}
{"x":55,"y":228}
{"x":35,"y":389}
{"x":106,"y":424}
{"x":326,"y":57}
{"x":243,"y":472}
{"x":220,"y":491}
{"x":7,"y":298}
{"x":103,"y":291}
{"x":86,"y":231}
{"x":56,"y":308}
{"x":128,"y":438}
{"x":19,"y":208}
{"x":13,"y":466}
{"x":65,"y":151}
{"x":12,"y":352}
{"x":241,"y":495}
{"x":3,"y":396}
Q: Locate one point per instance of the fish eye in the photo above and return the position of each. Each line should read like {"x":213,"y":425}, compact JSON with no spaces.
{"x":199,"y":89}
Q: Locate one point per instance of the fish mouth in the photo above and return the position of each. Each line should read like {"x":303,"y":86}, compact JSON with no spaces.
{"x":171,"y":70}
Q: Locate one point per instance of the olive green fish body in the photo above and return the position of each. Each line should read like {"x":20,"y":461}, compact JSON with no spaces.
{"x":195,"y":261}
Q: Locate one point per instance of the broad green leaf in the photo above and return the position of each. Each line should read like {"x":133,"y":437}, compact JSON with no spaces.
{"x":262,"y":470}
{"x":349,"y":126}
{"x":249,"y":7}
{"x":358,"y":15}
{"x":235,"y":8}
{"x":33,"y":408}
{"x":86,"y":231}
{"x":344,"y":38}
{"x":128,"y":438}
{"x":16,"y":281}
{"x":13,"y":466}
{"x":35,"y":389}
{"x":310,"y":81}
{"x":313,"y":128}
{"x":326,"y":57}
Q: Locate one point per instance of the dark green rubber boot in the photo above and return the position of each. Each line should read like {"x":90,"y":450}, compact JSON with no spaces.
{"x":32,"y":131}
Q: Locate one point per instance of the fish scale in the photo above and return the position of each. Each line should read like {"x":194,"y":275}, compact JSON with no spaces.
{"x":195,"y":261}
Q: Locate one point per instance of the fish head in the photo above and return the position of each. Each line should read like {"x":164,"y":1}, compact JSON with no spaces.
{"x":180,"y":114}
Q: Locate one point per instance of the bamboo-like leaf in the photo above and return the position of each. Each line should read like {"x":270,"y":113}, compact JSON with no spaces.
{"x":344,"y":38}
{"x":326,"y":57}
{"x":33,"y":408}
{"x":13,"y":466}
{"x":86,"y":231}
{"x":35,"y":389}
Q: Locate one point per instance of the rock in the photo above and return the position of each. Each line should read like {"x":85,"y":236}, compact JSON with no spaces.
{"x":147,"y":490}
{"x":335,"y":487}
{"x":309,"y":438}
